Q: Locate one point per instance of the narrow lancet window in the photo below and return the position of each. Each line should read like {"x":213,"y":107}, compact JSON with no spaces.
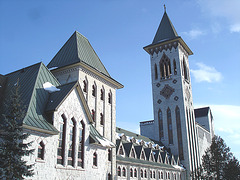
{"x":160,"y":124}
{"x":179,"y":133}
{"x":61,"y":140}
{"x":169,"y":121}
{"x":81,"y":145}
{"x":156,"y":73}
{"x":175,"y":67}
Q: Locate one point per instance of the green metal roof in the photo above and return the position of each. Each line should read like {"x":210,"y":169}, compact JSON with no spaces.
{"x":34,"y":97}
{"x":166,"y":30}
{"x":131,"y":134}
{"x":77,"y":49}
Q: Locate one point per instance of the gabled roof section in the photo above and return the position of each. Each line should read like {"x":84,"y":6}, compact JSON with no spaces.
{"x":34,"y":97}
{"x":127,"y":148}
{"x":56,"y":98}
{"x":166,"y":30}
{"x":77,"y":49}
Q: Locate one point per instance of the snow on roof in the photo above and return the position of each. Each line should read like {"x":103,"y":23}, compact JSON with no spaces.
{"x":177,"y":167}
{"x":104,"y":142}
{"x":49,"y":87}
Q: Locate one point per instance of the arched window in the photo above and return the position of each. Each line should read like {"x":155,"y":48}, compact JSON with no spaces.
{"x":141,"y":173}
{"x":165,"y":67}
{"x":109,"y":154}
{"x":71,"y":142}
{"x":142,"y":155}
{"x":41,"y":149}
{"x":160,"y":124}
{"x":121,"y":150}
{"x":102,"y":94}
{"x":84,"y":86}
{"x":124,"y":172}
{"x":175,"y":67}
{"x":156,"y":73}
{"x":161,"y":175}
{"x":109,"y":176}
{"x":150,"y":174}
{"x":169,"y":121}
{"x":145,"y":173}
{"x":131,"y":172}
{"x":81,"y":144}
{"x":61,"y":140}
{"x":93,"y":115}
{"x":179,"y":133}
{"x":95,"y":159}
{"x":132,"y":153}
{"x":119,"y":171}
{"x":154,"y":175}
{"x":168,"y":175}
{"x":185,"y":70}
{"x":110,"y":98}
{"x":101,"y":119}
{"x":135,"y":172}
{"x":94,"y":90}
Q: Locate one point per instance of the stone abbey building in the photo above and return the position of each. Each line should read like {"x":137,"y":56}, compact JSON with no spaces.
{"x":71,"y":115}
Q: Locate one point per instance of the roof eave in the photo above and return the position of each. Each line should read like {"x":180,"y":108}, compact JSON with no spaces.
{"x":39,"y":129}
{"x":102,"y":75}
{"x":179,"y":39}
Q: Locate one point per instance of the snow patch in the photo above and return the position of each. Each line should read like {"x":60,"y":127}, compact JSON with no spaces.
{"x":49,"y":87}
{"x":177,"y":167}
{"x":105,"y":142}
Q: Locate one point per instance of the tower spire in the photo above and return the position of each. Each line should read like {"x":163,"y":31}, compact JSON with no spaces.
{"x":164,"y":8}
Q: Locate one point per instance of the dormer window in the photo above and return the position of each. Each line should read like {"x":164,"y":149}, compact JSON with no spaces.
{"x":121,"y":150}
{"x":132,"y":154}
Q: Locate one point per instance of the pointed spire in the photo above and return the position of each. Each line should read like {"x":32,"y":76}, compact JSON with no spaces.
{"x":166,"y":30}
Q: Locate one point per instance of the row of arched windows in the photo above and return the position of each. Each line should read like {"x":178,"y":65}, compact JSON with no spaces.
{"x":169,"y":127}
{"x":85,"y":88}
{"x":165,"y":68}
{"x":66,"y":149}
{"x":94,"y":117}
{"x":145,"y":174}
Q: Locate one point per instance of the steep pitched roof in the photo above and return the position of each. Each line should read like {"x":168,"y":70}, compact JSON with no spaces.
{"x":77,"y":49}
{"x":200,"y":112}
{"x":34,"y":97}
{"x":166,"y":30}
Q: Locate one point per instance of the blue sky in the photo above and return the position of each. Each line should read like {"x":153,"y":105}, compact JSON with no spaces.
{"x":32,"y":31}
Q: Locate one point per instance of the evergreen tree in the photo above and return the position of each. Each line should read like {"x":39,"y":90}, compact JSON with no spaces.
{"x":218,"y":163}
{"x":232,"y":170}
{"x":12,"y":148}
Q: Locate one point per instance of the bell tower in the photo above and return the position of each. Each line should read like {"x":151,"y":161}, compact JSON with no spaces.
{"x":174,"y":121}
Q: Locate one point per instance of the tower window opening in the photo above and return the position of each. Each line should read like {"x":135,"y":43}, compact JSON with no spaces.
{"x":160,"y":124}
{"x":61,"y":140}
{"x":175,"y":67}
{"x":102,"y":94}
{"x":165,"y":67}
{"x":95,"y":159}
{"x":169,"y":122}
{"x":101,"y":119}
{"x":93,"y":115}
{"x":179,"y":133}
{"x":156,"y":73}
{"x":81,"y":144}
{"x":41,"y":149}
{"x":84,"y":86}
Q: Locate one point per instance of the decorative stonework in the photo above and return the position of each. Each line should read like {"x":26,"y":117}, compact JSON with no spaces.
{"x":167,"y":91}
{"x":176,"y":98}
{"x":159,"y":101}
{"x":163,"y":47}
{"x":174,"y":81}
{"x":158,"y":84}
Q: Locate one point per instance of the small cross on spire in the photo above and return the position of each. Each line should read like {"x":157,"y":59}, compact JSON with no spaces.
{"x":164,"y":8}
